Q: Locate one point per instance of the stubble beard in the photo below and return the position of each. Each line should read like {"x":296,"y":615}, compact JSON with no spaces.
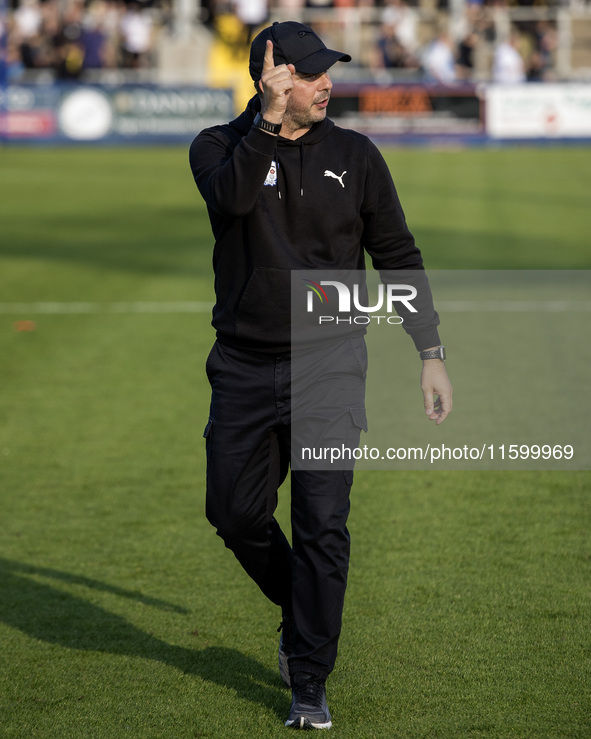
{"x":305,"y":118}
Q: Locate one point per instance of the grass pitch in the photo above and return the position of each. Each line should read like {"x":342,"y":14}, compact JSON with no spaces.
{"x":121,"y":613}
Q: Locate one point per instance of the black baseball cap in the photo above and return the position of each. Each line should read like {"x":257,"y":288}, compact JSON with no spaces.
{"x":293,"y":43}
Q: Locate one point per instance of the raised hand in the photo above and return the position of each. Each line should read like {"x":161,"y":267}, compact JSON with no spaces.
{"x":276,"y":84}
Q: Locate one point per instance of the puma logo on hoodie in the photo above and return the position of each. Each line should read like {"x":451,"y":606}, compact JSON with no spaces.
{"x":328,"y":173}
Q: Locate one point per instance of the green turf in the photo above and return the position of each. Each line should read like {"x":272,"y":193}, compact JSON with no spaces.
{"x":121,"y":613}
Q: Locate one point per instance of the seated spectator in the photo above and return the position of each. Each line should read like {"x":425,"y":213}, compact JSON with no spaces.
{"x":397,"y":38}
{"x":401,"y":21}
{"x":439,"y":62}
{"x":14,"y":63}
{"x":508,"y":64}
{"x":542,"y":61}
{"x":93,"y":40}
{"x":392,"y":53}
{"x":27,"y":36}
{"x":136,"y":31}
{"x":465,"y":56}
{"x":252,"y":14}
{"x":69,"y":50}
{"x":28,"y":19}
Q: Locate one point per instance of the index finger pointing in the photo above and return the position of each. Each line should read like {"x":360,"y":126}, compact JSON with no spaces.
{"x":268,"y":61}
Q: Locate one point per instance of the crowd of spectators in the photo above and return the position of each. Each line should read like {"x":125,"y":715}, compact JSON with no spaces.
{"x":528,"y":54}
{"x":73,"y":36}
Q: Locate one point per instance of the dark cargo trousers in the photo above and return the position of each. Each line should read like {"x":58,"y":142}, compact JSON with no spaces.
{"x":248,"y":455}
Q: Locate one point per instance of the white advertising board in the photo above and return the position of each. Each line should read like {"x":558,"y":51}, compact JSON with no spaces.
{"x":538,"y":111}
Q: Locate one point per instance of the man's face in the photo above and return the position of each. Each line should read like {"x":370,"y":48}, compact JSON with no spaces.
{"x":308,"y":100}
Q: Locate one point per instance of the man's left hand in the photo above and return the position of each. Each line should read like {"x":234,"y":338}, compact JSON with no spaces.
{"x":437,"y":390}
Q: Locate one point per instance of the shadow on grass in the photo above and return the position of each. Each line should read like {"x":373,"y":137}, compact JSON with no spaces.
{"x":58,"y":617}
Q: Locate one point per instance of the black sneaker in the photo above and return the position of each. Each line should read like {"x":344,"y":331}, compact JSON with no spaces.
{"x":308,"y":705}
{"x":286,"y":640}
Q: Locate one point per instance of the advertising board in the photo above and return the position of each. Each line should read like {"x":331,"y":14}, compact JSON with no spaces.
{"x":125,"y":114}
{"x":538,"y":111}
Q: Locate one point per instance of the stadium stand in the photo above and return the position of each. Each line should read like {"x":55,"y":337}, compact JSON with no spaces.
{"x":390,"y":40}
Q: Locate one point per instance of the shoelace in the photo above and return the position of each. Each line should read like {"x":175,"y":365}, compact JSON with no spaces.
{"x":310,"y":692}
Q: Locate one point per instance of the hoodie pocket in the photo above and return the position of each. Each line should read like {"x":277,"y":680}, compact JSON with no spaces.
{"x":263,"y":312}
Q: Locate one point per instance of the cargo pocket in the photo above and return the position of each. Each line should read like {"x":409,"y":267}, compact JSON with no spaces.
{"x":359,"y":418}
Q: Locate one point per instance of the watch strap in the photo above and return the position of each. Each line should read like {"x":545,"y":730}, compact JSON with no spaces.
{"x":438,"y":353}
{"x":260,"y":122}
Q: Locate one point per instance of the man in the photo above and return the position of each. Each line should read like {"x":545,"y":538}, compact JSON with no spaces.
{"x":508,"y":64}
{"x":273,"y":209}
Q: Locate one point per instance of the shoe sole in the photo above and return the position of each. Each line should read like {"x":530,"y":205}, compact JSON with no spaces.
{"x":303,"y":722}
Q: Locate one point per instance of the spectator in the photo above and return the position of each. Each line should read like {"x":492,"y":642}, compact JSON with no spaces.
{"x":28,"y":20}
{"x":14,"y":63}
{"x":465,"y":57}
{"x":110,"y":14}
{"x":439,"y":62}
{"x":508,"y":64}
{"x":392,"y":53}
{"x":136,"y":30}
{"x":402,"y":21}
{"x":69,"y":50}
{"x":252,"y":14}
{"x":541,"y":63}
{"x":397,"y":40}
{"x":93,"y":39}
{"x":27,"y":35}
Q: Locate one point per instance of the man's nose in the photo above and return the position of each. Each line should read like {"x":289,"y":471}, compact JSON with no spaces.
{"x":324,"y":82}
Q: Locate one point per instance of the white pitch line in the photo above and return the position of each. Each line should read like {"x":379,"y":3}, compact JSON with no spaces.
{"x":179,"y":307}
{"x":87,"y":308}
{"x":514,"y":306}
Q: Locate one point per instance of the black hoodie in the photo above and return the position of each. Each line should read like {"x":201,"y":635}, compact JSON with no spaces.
{"x":277,"y":205}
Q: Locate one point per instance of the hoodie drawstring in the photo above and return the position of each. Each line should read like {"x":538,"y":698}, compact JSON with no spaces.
{"x":301,"y":169}
{"x":278,"y":167}
{"x":276,"y":160}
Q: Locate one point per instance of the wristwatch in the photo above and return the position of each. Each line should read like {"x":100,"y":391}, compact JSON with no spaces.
{"x":260,"y":122}
{"x":438,"y":353}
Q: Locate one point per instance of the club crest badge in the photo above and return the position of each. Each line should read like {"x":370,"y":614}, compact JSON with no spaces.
{"x":271,"y":178}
